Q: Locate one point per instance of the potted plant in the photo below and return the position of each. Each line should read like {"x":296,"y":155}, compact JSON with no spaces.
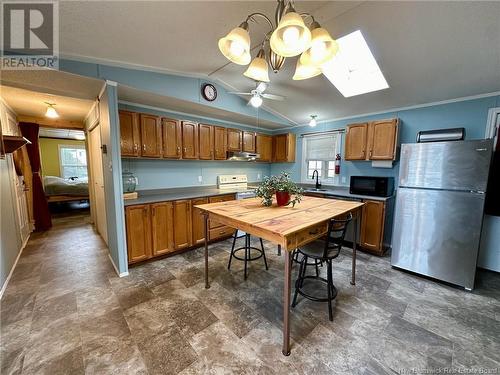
{"x":283,"y":187}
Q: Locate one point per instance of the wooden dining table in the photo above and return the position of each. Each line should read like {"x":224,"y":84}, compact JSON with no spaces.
{"x":288,"y":227}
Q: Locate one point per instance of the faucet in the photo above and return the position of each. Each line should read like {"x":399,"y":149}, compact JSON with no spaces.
{"x":318,"y":184}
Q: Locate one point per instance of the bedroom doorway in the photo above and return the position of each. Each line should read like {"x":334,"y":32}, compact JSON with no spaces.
{"x":63,"y":157}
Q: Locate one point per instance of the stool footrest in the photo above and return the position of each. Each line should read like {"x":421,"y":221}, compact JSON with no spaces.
{"x":310,"y":297}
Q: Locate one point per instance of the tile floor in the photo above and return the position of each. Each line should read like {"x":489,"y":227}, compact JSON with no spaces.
{"x":66,"y":312}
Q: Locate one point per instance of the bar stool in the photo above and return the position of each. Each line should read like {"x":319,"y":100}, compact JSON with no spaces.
{"x":248,"y":250}
{"x":324,"y":250}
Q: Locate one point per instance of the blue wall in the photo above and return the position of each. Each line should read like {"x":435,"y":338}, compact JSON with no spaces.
{"x":471,"y":115}
{"x":159,"y":174}
{"x":113,"y":189}
{"x":184,"y":88}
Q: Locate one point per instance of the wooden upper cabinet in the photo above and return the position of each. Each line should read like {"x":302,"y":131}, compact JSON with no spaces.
{"x":162,"y":223}
{"x":382,"y":139}
{"x":372,"y":226}
{"x":249,"y":141}
{"x":172,"y":138}
{"x":284,"y":148}
{"x":138,"y":223}
{"x":189,"y":140}
{"x":355,"y":143}
{"x":130,"y":133}
{"x":182,"y":224}
{"x":151,"y":136}
{"x":220,"y":143}
{"x":205,"y":142}
{"x":264,"y":147}
{"x":198,"y":221}
{"x":234,"y":140}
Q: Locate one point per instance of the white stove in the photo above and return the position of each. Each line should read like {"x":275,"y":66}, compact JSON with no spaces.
{"x":238,"y":182}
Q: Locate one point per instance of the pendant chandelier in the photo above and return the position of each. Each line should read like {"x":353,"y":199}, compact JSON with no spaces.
{"x":289,"y":36}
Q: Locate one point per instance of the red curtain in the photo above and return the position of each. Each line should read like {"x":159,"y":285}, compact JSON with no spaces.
{"x":41,"y":211}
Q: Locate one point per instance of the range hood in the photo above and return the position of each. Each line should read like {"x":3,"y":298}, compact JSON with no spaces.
{"x":242,"y":156}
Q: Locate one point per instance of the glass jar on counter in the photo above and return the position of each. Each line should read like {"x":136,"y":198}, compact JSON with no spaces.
{"x":129,"y":182}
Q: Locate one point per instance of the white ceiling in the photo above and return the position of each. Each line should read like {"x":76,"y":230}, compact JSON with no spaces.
{"x":61,"y":133}
{"x":428,"y":51}
{"x":32,"y":103}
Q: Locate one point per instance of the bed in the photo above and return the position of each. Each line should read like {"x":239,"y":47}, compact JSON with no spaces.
{"x":58,"y":189}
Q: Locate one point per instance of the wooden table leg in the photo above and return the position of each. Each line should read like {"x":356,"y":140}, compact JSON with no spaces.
{"x":279,"y":250}
{"x":207,"y":284}
{"x":353,"y":271}
{"x":286,"y":303}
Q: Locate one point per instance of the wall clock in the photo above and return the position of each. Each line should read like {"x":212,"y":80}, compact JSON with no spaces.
{"x":209,"y":92}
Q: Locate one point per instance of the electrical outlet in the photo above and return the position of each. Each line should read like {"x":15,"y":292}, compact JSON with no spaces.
{"x":200,"y":179}
{"x":344,"y":180}
{"x":259,"y":176}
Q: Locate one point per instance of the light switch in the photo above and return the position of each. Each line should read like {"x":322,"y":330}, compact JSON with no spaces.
{"x":344,"y":180}
{"x":200,"y":179}
{"x":259,"y":176}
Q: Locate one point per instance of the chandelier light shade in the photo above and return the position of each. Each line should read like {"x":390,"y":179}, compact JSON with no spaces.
{"x":235,"y":46}
{"x":305,"y":71}
{"x":323,"y":47}
{"x":292,"y":36}
{"x":51,"y":111}
{"x":258,"y":69}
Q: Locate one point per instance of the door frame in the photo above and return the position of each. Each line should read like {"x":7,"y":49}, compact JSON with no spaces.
{"x":493,"y":125}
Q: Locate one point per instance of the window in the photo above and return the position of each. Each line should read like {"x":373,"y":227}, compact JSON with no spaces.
{"x":73,"y":161}
{"x":318,"y":153}
{"x":354,"y":70}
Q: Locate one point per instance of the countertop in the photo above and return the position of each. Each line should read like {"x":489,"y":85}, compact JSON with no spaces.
{"x":172,"y":194}
{"x":163,"y":195}
{"x":340,"y":191}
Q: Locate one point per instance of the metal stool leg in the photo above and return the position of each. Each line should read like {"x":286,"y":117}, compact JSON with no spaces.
{"x":316,"y":266}
{"x":247,"y":250}
{"x":232,"y":250}
{"x":302,"y":276}
{"x":330,"y":289}
{"x":263,"y":252}
{"x":297,"y":286}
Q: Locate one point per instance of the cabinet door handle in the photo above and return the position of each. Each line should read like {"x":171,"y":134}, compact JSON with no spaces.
{"x":371,"y":151}
{"x":135,"y":147}
{"x":145,"y":211}
{"x":144,"y":147}
{"x":185,"y":148}
{"x":316,"y":231}
{"x":178,"y":150}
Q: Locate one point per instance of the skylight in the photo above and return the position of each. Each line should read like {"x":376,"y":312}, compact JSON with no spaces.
{"x":354,"y":70}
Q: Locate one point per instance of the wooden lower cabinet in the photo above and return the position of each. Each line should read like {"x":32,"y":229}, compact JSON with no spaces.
{"x":162,"y":228}
{"x":138,"y":223}
{"x":198,"y":221}
{"x":374,"y":219}
{"x":182,"y":224}
{"x":372,"y":226}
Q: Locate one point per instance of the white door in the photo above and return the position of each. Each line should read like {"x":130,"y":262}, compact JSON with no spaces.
{"x":95,"y":156}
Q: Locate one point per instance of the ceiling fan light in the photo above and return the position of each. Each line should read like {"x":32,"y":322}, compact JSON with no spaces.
{"x":235,"y":46}
{"x":256,"y":101}
{"x":51,"y":112}
{"x":258,"y":69}
{"x":291,"y":37}
{"x":322,"y":49}
{"x":305,"y":71}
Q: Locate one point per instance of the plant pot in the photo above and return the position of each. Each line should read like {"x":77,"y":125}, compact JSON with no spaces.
{"x":283,"y":197}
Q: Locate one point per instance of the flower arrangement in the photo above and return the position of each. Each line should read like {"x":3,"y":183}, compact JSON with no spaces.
{"x":283,"y":187}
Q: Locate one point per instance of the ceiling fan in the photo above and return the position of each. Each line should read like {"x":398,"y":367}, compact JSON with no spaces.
{"x":257,"y":94}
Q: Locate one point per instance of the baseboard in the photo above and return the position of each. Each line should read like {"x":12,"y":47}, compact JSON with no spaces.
{"x":4,"y":286}
{"x":123,"y":274}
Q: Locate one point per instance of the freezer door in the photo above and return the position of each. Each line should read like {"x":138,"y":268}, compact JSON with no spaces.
{"x":461,"y":165}
{"x":436,"y":233}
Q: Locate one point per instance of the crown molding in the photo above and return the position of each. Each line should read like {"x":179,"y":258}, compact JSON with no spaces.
{"x":399,"y":109}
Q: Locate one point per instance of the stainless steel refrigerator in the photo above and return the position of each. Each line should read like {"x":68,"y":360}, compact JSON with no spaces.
{"x":439,"y":209}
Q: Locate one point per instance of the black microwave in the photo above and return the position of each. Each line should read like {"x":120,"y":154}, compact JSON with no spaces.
{"x":374,"y":186}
